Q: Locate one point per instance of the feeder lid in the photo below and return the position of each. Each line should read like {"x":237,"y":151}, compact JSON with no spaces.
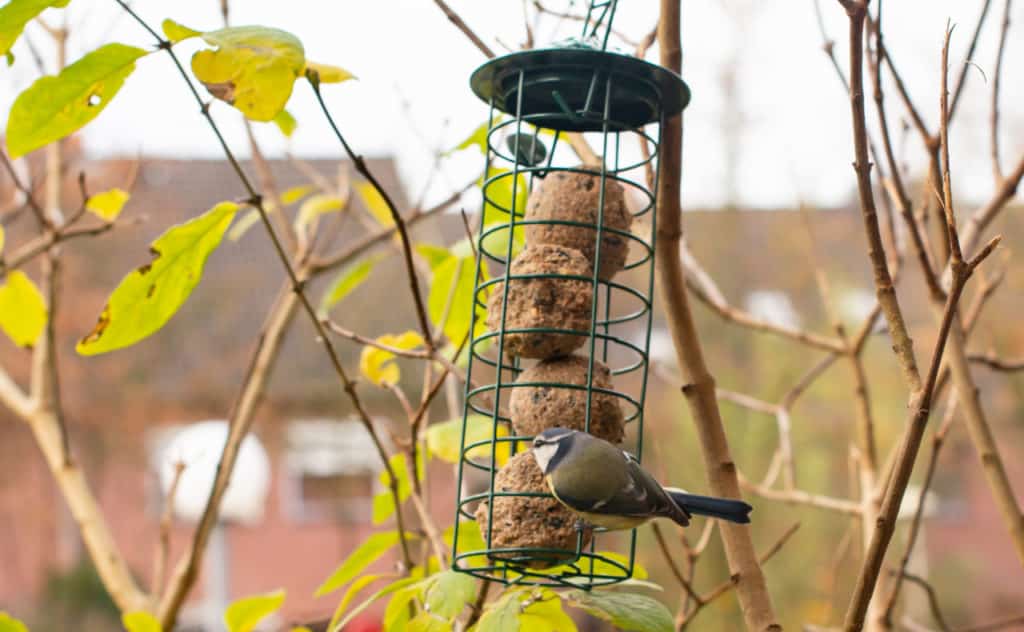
{"x":557,"y":82}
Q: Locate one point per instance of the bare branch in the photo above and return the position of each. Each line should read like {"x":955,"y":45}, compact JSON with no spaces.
{"x":997,"y":171}
{"x":727,"y":585}
{"x":903,"y":345}
{"x":460,"y":24}
{"x":961,"y":80}
{"x":996,"y":363}
{"x":754,"y":598}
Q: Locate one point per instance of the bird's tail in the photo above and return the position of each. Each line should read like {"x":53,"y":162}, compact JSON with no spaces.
{"x":731,"y":510}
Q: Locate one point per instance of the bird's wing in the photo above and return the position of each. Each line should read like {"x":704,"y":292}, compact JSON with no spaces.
{"x":654,"y":498}
{"x":637,"y":494}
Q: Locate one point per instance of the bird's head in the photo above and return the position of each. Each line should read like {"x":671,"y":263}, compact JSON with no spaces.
{"x":551,"y":446}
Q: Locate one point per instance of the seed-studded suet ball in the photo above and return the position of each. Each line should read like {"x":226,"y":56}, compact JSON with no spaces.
{"x":574,"y":196}
{"x":534,"y":409}
{"x":546,"y":302}
{"x":526,"y":521}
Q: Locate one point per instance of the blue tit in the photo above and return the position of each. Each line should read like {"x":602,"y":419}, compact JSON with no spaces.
{"x":607,"y":487}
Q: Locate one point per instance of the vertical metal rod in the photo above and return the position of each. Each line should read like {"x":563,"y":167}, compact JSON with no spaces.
{"x":504,"y":309}
{"x":472,"y":351}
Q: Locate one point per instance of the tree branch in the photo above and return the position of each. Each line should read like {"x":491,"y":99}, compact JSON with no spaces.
{"x":751,"y":589}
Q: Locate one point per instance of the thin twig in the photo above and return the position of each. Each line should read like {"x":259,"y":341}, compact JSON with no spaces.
{"x":961,"y":80}
{"x":396,"y":217}
{"x":164,"y":546}
{"x":460,"y":24}
{"x":676,"y":572}
{"x":727,"y":585}
{"x":933,"y":599}
{"x":997,"y":171}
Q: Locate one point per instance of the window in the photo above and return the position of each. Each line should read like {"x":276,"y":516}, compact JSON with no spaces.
{"x":330,"y":471}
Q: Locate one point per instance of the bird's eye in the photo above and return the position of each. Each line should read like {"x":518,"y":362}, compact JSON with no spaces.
{"x":538,"y":442}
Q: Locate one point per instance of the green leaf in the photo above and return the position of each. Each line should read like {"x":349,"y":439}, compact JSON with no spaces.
{"x":15,"y":15}
{"x":444,"y":439}
{"x":108,"y":204}
{"x":315,"y":206}
{"x":367,"y":553}
{"x":176,"y":32}
{"x":286,"y":122}
{"x":148,"y":297}
{"x":10,"y":624}
{"x":449,"y":592}
{"x":294,"y":194}
{"x":22,"y":309}
{"x":244,"y":614}
{"x":396,"y":614}
{"x":354,"y":589}
{"x":375,"y":204}
{"x":383,"y":592}
{"x":500,"y":195}
{"x":140,"y":622}
{"x":253,"y":68}
{"x":347,"y":281}
{"x":477,"y":138}
{"x":627,"y":611}
{"x":501,"y":616}
{"x":434,"y":255}
{"x":328,"y":74}
{"x":450,"y":300}
{"x":470,"y":541}
{"x":383,"y":502}
{"x":427,"y":622}
{"x":54,"y":107}
{"x":546,"y":614}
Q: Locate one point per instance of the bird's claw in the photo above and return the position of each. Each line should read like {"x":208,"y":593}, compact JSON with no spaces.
{"x":582,"y":525}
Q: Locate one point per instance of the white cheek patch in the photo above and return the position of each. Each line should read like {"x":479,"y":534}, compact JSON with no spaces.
{"x":544,"y":453}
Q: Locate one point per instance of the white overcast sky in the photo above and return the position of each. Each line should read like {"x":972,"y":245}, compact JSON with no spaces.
{"x":412,"y":96}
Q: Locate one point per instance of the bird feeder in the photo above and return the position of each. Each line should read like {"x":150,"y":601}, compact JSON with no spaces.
{"x":564,"y":280}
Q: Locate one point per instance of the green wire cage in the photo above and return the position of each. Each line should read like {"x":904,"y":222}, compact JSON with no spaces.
{"x":536,"y":98}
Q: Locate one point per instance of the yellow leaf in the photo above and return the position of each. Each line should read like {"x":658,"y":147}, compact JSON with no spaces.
{"x":22,"y":309}
{"x":378,"y":364}
{"x":294,"y":194}
{"x":315,"y":206}
{"x":176,"y":32}
{"x":253,"y":68}
{"x":243,"y":225}
{"x":149,"y":296}
{"x":140,"y":622}
{"x":328,"y":73}
{"x":108,"y":204}
{"x":375,"y":204}
{"x":1,"y":241}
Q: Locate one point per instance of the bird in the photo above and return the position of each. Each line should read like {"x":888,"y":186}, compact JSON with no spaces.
{"x":608,"y":488}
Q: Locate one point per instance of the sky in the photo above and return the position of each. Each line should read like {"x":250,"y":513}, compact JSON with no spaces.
{"x":788,"y":115}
